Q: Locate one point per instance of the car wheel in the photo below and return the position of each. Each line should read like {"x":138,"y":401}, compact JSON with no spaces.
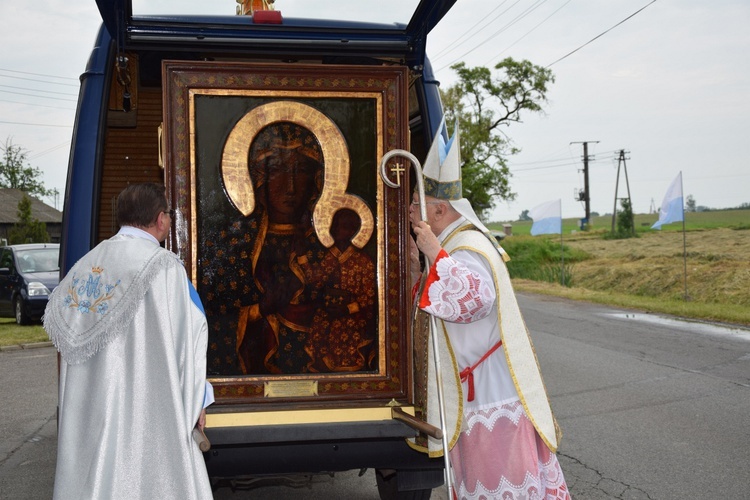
{"x":21,"y":317}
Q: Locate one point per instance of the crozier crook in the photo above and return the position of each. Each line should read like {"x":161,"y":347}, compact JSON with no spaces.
{"x":433,"y":326}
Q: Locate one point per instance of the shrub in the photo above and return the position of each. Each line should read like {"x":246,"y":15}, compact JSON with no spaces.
{"x":539,"y":259}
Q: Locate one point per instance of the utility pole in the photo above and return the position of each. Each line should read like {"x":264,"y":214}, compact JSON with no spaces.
{"x":586,"y":198}
{"x":621,"y":161}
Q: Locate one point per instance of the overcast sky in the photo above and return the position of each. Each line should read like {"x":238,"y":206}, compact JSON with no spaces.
{"x":669,"y":85}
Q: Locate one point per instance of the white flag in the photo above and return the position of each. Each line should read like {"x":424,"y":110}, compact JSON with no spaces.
{"x":672,"y":207}
{"x":547,"y":218}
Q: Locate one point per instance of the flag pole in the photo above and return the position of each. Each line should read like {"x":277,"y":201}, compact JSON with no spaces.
{"x":684,"y":257}
{"x":684,"y":244}
{"x":433,"y":325}
{"x":562,"y":258}
{"x":562,"y":251}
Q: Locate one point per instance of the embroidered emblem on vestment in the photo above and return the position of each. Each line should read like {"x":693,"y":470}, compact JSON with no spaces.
{"x":90,"y":294}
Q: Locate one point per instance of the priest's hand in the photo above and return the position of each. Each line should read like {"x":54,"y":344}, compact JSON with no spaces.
{"x":426,"y":240}
{"x":201,"y":420}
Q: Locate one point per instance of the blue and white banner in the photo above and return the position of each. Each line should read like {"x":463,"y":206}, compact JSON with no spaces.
{"x":547,"y":218}
{"x":672,"y":208}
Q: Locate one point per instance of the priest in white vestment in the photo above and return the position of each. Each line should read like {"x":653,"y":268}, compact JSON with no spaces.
{"x":132,"y":338}
{"x":501,"y":431}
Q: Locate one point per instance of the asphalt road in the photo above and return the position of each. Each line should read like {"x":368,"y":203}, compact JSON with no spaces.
{"x":28,"y":423}
{"x":649,"y":408}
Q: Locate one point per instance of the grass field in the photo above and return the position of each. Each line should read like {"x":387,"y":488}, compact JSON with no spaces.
{"x":650,"y":272}
{"x":693,"y":221}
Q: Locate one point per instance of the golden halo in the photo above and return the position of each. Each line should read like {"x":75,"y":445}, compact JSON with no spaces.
{"x":236,"y":174}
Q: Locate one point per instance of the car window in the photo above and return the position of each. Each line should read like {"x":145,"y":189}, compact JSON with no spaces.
{"x":38,"y":261}
{"x":383,"y":11}
{"x":7,"y":259}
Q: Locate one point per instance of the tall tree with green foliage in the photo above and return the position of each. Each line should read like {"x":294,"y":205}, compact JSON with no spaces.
{"x":15,"y":173}
{"x":625,"y":221}
{"x":483,"y":102}
{"x":28,"y":229}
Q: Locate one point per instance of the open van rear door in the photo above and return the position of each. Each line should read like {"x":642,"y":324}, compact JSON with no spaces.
{"x":409,"y":22}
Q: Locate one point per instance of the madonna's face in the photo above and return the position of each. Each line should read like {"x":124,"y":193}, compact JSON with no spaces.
{"x":290,"y":181}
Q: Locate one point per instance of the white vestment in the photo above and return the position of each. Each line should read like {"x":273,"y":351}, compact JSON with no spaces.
{"x":501,"y":432}
{"x":132,"y":336}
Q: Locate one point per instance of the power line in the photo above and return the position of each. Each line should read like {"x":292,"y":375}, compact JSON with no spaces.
{"x":37,"y":90}
{"x":568,"y":161}
{"x":600,"y":35}
{"x":50,"y":150}
{"x":38,"y":105}
{"x":471,"y":30}
{"x":561,"y":165}
{"x":35,"y":124}
{"x":543,"y":161}
{"x":37,"y":74}
{"x":530,"y":31}
{"x":508,"y":25}
{"x":40,"y":81}
{"x":38,"y":96}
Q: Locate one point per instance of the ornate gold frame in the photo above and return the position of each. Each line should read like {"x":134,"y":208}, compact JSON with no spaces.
{"x":289,"y":93}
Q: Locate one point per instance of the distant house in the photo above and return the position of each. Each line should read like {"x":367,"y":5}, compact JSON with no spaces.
{"x":9,"y":199}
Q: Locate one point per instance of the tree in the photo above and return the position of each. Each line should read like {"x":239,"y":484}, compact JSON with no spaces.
{"x":482,"y":103}
{"x":15,"y":173}
{"x":690,"y":203}
{"x":28,"y":229}
{"x":524,"y":215}
{"x":625,"y":227}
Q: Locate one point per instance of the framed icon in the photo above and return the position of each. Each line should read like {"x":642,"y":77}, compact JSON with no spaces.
{"x":286,"y":229}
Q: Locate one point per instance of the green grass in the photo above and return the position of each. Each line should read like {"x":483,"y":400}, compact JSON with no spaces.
{"x":542,"y":259}
{"x":13,"y":334}
{"x":644,"y":273}
{"x":735,"y":219}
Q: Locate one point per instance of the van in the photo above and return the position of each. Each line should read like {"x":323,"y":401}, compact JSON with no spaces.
{"x":268,"y":129}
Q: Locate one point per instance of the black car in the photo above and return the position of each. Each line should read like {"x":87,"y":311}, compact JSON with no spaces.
{"x":28,"y":274}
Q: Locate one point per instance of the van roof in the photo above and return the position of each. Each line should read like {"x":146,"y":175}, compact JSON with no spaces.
{"x":401,"y":26}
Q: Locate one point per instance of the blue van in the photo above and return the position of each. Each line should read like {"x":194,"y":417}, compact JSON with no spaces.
{"x":301,"y":265}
